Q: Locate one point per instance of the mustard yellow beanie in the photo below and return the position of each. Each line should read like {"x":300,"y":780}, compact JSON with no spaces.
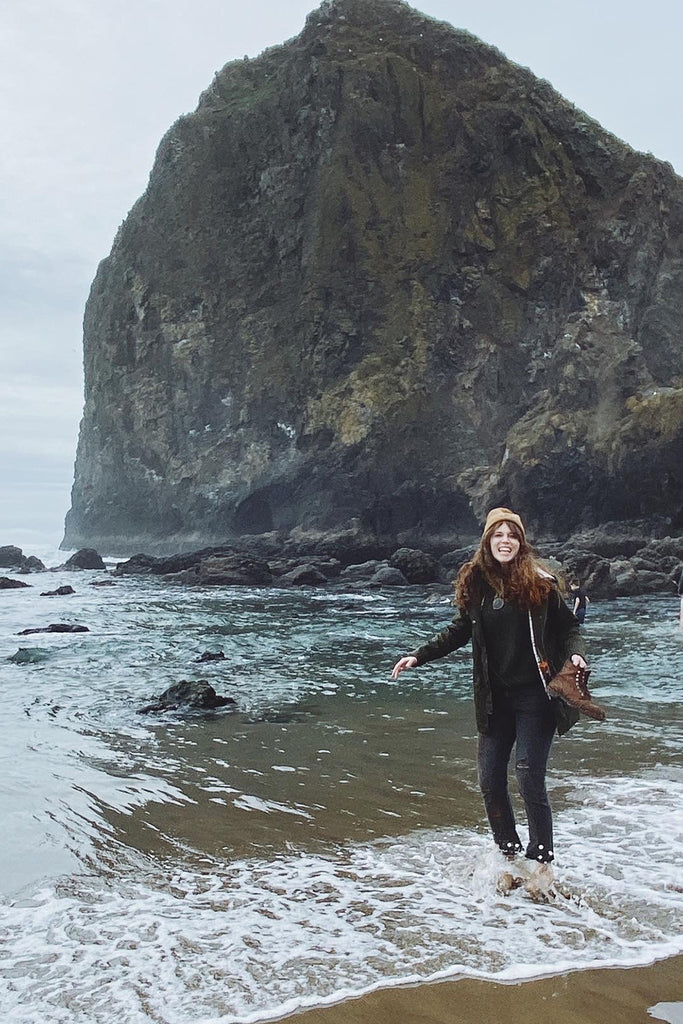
{"x":500,"y":515}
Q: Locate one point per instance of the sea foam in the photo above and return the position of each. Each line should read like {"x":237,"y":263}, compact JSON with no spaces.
{"x":139,"y":938}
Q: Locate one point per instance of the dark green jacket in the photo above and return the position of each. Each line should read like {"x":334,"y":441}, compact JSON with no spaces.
{"x":557,"y":637}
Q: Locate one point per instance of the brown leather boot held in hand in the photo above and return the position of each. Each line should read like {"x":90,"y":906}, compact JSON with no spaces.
{"x":571,"y":685}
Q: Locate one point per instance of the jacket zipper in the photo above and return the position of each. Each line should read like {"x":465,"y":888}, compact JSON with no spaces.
{"x":485,"y":661}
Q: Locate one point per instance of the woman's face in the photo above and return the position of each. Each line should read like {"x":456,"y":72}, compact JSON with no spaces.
{"x":504,"y":543}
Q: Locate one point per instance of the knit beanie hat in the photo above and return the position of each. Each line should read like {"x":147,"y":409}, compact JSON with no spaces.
{"x":501,"y":515}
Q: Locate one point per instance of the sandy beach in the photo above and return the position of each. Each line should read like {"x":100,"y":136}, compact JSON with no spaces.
{"x":579,"y":997}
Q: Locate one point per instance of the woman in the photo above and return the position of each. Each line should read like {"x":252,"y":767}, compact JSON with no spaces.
{"x":521,"y":632}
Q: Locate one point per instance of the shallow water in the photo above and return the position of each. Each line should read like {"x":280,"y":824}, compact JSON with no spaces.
{"x":328,"y":836}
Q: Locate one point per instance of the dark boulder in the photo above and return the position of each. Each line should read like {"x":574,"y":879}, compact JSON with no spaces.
{"x":305,"y":576}
{"x":597,"y":581}
{"x":351,"y":545}
{"x":653,"y":582}
{"x":388,"y":577}
{"x":628,"y":581}
{"x":137,"y":565}
{"x":189,"y":561}
{"x":417,"y":566}
{"x":102,"y":583}
{"x":32,"y":564}
{"x":211,"y":656}
{"x":362,"y":572}
{"x":189,"y":695}
{"x":581,"y":564}
{"x":623,"y":579}
{"x":11,"y":557}
{"x":638,"y":562}
{"x":186,"y":566}
{"x":6,"y":583}
{"x":56,"y":627}
{"x":59,"y":592}
{"x":86,"y":558}
{"x":234,"y":569}
{"x":329,"y":567}
{"x":666,"y":547}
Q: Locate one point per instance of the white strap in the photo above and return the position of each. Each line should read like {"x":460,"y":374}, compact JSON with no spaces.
{"x":537,"y":656}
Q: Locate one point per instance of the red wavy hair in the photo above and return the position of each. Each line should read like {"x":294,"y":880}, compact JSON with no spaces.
{"x":519,"y":581}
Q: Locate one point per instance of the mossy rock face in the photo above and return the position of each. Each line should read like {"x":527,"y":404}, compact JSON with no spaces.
{"x":383,"y":275}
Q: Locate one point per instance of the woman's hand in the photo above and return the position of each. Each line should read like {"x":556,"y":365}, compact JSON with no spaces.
{"x":579,"y":661}
{"x":403,"y":664}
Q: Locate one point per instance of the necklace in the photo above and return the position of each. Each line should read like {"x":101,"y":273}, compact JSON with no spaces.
{"x":497,"y":603}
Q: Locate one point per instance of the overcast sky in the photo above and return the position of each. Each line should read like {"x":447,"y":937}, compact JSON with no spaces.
{"x":88,"y":89}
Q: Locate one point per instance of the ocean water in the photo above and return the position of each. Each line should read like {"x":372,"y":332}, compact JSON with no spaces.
{"x":326,"y":837}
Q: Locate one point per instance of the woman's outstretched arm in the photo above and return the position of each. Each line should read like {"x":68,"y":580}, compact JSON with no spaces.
{"x":453,"y":636}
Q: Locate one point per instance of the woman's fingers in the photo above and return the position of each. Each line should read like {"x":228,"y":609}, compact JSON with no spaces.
{"x":579,"y":661}
{"x":404,"y":663}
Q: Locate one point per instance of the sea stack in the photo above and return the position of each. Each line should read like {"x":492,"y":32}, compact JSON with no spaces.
{"x":383,"y":278}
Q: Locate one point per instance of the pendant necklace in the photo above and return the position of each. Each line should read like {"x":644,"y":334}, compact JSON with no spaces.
{"x":497,"y":603}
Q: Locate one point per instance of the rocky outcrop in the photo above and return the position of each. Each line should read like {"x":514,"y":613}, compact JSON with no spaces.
{"x":609,"y":561}
{"x":211,"y":567}
{"x":12,"y":557}
{"x":383,"y":275}
{"x":621,"y":565}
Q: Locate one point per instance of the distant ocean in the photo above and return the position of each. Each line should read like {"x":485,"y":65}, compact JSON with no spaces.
{"x":326,"y":838}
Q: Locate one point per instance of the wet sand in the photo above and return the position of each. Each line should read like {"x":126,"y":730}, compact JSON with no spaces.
{"x":579,"y":997}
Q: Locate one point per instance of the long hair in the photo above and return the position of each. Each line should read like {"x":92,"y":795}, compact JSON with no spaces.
{"x":523,"y":581}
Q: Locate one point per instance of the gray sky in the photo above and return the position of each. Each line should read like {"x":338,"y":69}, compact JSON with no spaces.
{"x":90,"y":86}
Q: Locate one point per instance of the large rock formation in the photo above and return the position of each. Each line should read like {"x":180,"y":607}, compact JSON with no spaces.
{"x":383,"y":274}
